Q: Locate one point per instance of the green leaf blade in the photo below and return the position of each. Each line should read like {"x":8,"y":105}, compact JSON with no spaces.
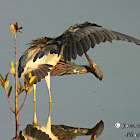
{"x":2,"y":82}
{"x":6,"y":77}
{"x":1,"y":77}
{"x":10,"y":91}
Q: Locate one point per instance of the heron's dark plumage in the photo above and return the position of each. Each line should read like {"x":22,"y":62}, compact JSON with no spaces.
{"x":87,"y":35}
{"x":40,"y":72}
{"x":38,"y":48}
{"x":76,"y":40}
{"x":81,"y":37}
{"x":51,"y":48}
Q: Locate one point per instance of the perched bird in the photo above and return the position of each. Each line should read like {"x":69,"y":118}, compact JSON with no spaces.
{"x":44,"y":53}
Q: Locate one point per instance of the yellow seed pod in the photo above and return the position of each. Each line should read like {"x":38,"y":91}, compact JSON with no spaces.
{"x":12,"y":70}
{"x":13,"y":29}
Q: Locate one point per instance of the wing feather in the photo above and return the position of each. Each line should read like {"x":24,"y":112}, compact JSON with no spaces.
{"x":69,"y":49}
{"x":79,"y":48}
{"x":87,"y":39}
{"x":84,"y":44}
{"x":85,"y":36}
{"x":65,"y":54}
{"x":96,"y":36}
{"x":74,"y":51}
{"x":92,"y":39}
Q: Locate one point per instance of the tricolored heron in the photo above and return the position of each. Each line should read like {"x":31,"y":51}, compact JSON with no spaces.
{"x":44,"y":53}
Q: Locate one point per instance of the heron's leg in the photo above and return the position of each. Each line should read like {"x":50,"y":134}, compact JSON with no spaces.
{"x":35,"y":118}
{"x":48,"y":124}
{"x":47,"y":78}
{"x":92,"y":65}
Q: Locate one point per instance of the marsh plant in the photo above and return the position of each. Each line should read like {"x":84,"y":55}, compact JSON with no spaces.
{"x":26,"y":87}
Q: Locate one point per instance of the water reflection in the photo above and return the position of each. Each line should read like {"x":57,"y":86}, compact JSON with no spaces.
{"x":59,"y":132}
{"x":63,"y":132}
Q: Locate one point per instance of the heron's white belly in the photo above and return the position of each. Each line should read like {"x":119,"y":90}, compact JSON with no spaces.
{"x":51,"y":59}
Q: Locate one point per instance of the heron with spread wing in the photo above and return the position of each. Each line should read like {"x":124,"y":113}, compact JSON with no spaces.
{"x":44,"y":53}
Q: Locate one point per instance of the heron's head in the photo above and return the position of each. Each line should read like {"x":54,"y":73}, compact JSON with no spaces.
{"x":95,"y":69}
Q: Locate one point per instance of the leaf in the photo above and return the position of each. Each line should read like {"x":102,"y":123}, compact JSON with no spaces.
{"x":26,"y":88}
{"x":29,"y":90}
{"x":12,"y":70}
{"x":13,"y":29}
{"x":12,"y":64}
{"x":10,"y":91}
{"x":1,"y":77}
{"x":32,"y":81}
{"x":20,"y":88}
{"x":6,"y":77}
{"x":6,"y":84}
{"x":2,"y":82}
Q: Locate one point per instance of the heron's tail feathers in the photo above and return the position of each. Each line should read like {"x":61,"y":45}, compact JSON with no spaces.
{"x":40,"y":72}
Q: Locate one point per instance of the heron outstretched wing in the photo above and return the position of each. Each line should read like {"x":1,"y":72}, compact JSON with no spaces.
{"x":78,"y":39}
